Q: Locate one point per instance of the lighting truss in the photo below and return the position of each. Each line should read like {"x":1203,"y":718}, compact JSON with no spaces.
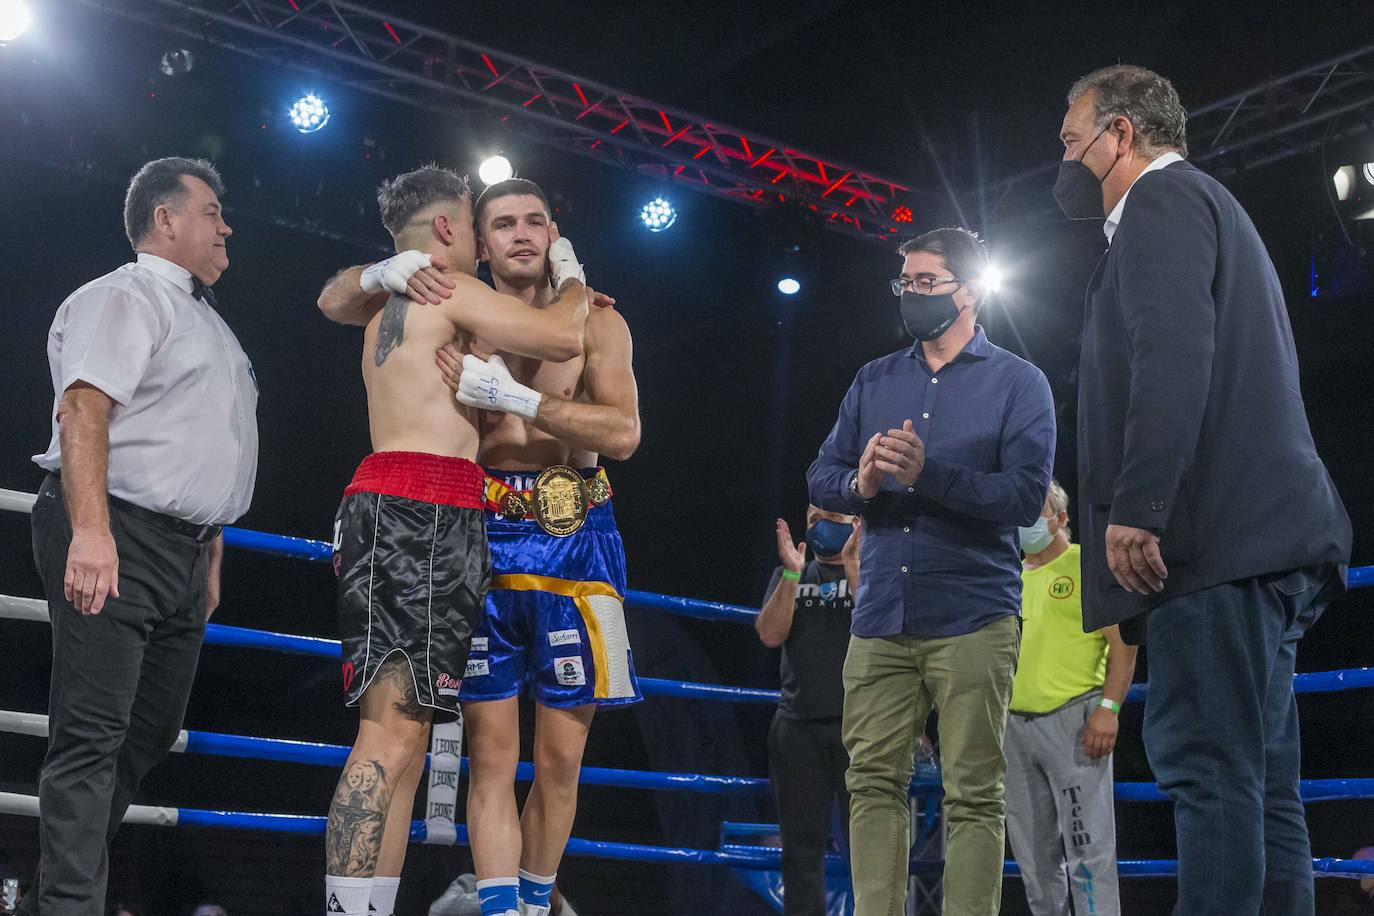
{"x":367,"y":50}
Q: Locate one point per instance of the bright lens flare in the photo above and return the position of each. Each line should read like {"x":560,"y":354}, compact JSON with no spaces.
{"x":14,"y":19}
{"x":495,"y":169}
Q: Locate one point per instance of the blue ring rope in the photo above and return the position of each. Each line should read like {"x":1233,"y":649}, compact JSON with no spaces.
{"x":322,"y":552}
{"x":754,"y":857}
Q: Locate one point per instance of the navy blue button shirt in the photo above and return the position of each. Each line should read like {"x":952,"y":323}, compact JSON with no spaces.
{"x":941,"y":558}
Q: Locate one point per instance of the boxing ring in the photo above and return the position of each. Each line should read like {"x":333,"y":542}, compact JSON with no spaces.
{"x":756,"y":865}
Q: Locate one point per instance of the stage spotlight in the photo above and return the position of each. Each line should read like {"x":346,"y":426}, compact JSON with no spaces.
{"x":309,"y":114}
{"x":494,"y":169}
{"x":177,"y":63}
{"x":1369,"y":172}
{"x":14,"y":19}
{"x":992,"y":278}
{"x":788,"y":286}
{"x":1344,"y":180}
{"x":658,"y":215}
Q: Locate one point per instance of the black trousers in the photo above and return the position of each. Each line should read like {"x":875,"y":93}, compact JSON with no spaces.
{"x":1221,"y":732}
{"x":120,"y":681}
{"x":806,"y":762}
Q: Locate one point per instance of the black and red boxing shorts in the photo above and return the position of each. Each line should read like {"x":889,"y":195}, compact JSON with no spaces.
{"x":410,"y":549}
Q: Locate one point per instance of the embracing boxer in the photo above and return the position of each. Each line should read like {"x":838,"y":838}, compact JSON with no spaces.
{"x":410,"y":545}
{"x":554,"y":624}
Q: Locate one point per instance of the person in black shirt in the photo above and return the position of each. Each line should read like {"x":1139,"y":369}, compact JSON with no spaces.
{"x":806,"y":611}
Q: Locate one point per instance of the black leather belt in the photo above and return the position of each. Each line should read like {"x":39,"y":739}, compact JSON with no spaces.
{"x":198,"y":533}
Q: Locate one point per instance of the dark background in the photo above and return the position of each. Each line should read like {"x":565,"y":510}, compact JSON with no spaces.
{"x":738,"y":384}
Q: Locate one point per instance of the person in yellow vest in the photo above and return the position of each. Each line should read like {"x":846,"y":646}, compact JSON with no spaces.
{"x":1062,"y":729}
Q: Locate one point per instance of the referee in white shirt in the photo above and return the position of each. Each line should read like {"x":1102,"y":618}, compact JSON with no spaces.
{"x":154,"y":447}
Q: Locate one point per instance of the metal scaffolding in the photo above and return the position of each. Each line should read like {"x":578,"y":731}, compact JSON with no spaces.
{"x":366,"y":50}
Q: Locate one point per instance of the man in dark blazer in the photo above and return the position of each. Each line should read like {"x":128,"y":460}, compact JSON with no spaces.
{"x":1206,"y":513}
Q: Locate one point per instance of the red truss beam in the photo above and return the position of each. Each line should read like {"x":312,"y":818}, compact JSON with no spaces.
{"x":370,"y":51}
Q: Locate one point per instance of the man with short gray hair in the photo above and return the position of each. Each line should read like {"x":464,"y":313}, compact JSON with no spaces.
{"x":1209,"y":523}
{"x":154,"y":448}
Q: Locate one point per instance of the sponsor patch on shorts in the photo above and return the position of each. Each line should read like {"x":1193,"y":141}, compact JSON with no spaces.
{"x":569,"y":671}
{"x":479,"y":644}
{"x":477,"y":667}
{"x":447,"y":685}
{"x":564,"y":637}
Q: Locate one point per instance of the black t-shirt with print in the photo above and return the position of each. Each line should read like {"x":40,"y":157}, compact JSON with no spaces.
{"x":813,"y":654}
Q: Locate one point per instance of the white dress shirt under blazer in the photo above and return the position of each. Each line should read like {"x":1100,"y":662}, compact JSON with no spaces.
{"x":184,"y":431}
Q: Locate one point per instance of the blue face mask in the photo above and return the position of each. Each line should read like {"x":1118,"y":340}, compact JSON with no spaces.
{"x":1037,"y":537}
{"x":828,"y":538}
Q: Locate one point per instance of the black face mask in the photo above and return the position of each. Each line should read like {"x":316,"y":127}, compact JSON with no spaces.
{"x":927,"y":317}
{"x":1077,"y":190}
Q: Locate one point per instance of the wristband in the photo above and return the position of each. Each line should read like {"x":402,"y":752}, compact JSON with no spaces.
{"x":1111,"y":705}
{"x":791,"y":574}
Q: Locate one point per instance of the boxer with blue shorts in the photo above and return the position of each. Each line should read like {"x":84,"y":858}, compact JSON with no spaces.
{"x":555,"y":622}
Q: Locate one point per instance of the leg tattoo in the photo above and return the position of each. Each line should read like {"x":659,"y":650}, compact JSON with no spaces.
{"x":396,"y":670}
{"x":353,"y":834}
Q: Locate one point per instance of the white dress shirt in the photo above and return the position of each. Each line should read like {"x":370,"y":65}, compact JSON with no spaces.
{"x":183,"y":431}
{"x":1114,"y":218}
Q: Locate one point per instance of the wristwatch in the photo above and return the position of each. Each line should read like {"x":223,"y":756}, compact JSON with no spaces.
{"x":854,"y":486}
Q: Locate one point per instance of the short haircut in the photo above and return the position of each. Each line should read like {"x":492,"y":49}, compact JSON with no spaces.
{"x":158,"y":183}
{"x":961,"y":249}
{"x":1148,"y":100}
{"x":511,"y":187}
{"x":400,"y":198}
{"x":1059,"y":502}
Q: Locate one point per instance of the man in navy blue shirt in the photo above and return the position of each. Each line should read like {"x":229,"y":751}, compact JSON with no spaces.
{"x":943,"y":448}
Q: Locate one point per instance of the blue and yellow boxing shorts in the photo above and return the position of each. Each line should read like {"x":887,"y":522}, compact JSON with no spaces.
{"x":555,"y":620}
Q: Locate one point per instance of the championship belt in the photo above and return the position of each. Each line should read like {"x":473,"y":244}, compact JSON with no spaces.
{"x":558,"y":502}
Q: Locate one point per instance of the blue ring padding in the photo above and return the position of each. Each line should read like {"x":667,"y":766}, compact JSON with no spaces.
{"x":217,"y":634}
{"x":692,"y":607}
{"x":322,"y":552}
{"x":315,"y":753}
{"x":658,"y":687}
{"x":738,"y":857}
{"x":279,"y":545}
{"x":311,"y":752}
{"x":1310,"y":682}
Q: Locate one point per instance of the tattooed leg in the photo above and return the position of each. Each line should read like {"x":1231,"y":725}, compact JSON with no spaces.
{"x":382,"y":772}
{"x":396,"y":672}
{"x":353,"y":833}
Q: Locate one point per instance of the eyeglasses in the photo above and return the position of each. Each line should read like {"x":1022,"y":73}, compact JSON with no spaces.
{"x":924,"y":284}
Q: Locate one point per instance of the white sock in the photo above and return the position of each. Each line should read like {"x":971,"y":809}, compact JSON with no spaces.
{"x":346,"y":896}
{"x":383,"y":899}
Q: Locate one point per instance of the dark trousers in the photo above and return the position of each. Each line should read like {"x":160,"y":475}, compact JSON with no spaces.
{"x":120,"y":680}
{"x":1221,"y":732}
{"x":807,"y":763}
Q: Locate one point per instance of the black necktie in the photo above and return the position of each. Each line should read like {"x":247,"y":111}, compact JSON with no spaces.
{"x":203,"y":292}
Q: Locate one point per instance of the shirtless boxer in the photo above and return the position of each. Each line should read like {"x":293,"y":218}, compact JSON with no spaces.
{"x":554,"y":620}
{"x":410,"y":545}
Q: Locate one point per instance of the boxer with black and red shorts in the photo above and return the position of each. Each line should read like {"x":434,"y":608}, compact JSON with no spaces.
{"x":411,"y":547}
{"x":410,"y":543}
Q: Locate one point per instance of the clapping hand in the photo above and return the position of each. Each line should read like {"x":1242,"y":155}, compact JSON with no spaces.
{"x":792,"y":556}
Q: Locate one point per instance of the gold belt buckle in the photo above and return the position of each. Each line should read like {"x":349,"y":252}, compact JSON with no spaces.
{"x":560,"y":500}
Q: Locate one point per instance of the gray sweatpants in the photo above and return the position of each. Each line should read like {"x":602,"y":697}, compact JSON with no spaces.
{"x":1060,"y":819}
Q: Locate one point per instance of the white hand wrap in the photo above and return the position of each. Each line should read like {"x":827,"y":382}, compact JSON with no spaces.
{"x":563,"y":264}
{"x":393,"y":273}
{"x":488,"y":385}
